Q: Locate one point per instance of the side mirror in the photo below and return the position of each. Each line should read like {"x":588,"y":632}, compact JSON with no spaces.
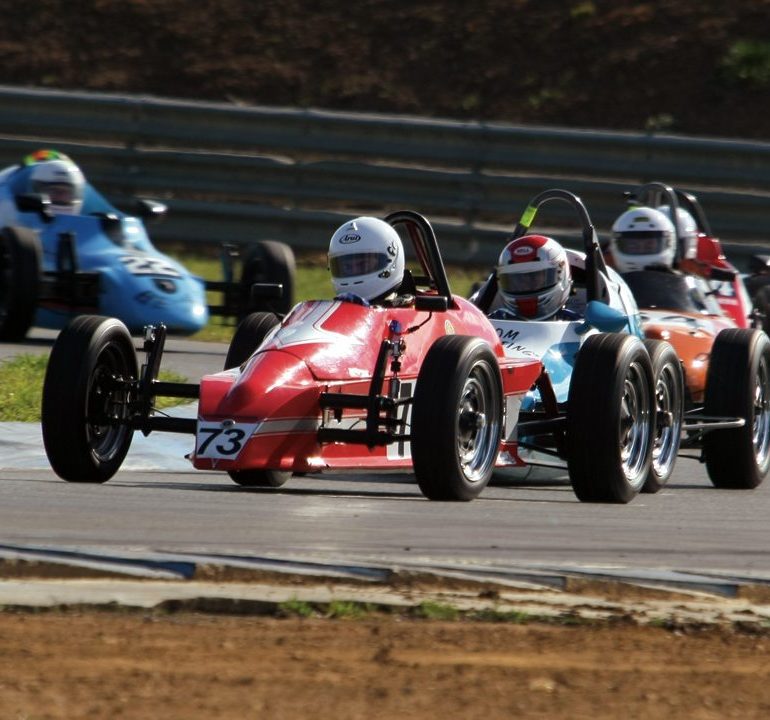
{"x":431,"y":303}
{"x":110,"y":222}
{"x":150,"y":210}
{"x":759,"y":264}
{"x":723,"y":274}
{"x":605,"y":318}
{"x":35,"y":202}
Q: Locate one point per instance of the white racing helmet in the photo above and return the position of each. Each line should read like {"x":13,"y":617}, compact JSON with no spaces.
{"x":688,"y":230}
{"x":642,"y":236}
{"x":533,"y":276}
{"x":366,"y":257}
{"x":62,"y":181}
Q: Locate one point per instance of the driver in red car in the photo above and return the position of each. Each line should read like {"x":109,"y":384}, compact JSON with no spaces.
{"x":366,"y":261}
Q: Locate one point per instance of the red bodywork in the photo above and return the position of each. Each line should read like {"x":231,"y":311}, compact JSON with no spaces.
{"x":730,"y":294}
{"x":270,"y":407}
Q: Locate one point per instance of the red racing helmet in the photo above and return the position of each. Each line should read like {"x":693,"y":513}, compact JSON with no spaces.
{"x":534,"y":277}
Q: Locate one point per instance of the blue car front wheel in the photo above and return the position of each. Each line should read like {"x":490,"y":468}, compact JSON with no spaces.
{"x":20,"y":263}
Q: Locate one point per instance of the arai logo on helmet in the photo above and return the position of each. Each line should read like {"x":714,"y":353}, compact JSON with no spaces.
{"x":523,"y":250}
{"x":349,"y":239}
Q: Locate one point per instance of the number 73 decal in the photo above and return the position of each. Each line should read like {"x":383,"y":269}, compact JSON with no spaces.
{"x":223,"y":440}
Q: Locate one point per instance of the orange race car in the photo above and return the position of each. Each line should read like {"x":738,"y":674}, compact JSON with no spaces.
{"x":676,"y":307}
{"x":720,"y":373}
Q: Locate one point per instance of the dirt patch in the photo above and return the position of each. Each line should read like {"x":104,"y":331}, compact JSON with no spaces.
{"x":140,"y":665}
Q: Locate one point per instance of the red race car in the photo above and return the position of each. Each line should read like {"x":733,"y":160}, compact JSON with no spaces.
{"x":421,"y":382}
{"x":418,"y":381}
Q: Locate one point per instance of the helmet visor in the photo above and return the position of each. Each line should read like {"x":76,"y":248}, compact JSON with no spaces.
{"x":355,"y":264}
{"x":59,"y":193}
{"x":528,"y":282}
{"x":642,"y":242}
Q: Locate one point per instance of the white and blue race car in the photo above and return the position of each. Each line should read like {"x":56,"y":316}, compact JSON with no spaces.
{"x":607,"y":406}
{"x":56,"y":266}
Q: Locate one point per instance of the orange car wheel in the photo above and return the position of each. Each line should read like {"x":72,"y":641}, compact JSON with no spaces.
{"x":738,"y":385}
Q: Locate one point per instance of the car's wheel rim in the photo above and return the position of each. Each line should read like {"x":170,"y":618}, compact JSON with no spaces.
{"x":478,"y":425}
{"x":761,"y":424}
{"x":669,"y":421}
{"x":107,"y":402}
{"x":635,"y":424}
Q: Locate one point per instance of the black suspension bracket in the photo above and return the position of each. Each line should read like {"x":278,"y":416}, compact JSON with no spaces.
{"x":397,"y":347}
{"x":382,"y":424}
{"x":154,"y":342}
{"x":148,"y":387}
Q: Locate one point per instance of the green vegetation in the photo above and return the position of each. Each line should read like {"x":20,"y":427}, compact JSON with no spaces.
{"x":21,"y":387}
{"x":336,"y":609}
{"x":505,"y":616}
{"x":296,"y":608}
{"x":583,"y":10}
{"x":348,"y":609}
{"x":437,"y":611}
{"x":427,"y":610}
{"x":748,"y":62}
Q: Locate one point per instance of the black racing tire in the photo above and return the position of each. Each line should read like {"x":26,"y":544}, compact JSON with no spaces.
{"x":259,"y":478}
{"x":669,"y":402}
{"x":20,"y":263}
{"x":268,"y":261}
{"x":738,"y":385}
{"x":610,"y":419}
{"x":248,"y":336}
{"x":79,"y":394}
{"x":457,"y":418}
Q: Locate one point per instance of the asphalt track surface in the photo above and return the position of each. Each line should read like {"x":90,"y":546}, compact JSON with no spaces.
{"x":160,"y":504}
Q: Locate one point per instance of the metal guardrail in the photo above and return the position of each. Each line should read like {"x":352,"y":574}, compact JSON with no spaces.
{"x":238,"y":173}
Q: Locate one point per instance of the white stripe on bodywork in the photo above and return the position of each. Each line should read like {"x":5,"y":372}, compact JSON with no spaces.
{"x":305,"y":328}
{"x":305,"y":425}
{"x":533,"y":338}
{"x":271,"y":426}
{"x":287,"y":425}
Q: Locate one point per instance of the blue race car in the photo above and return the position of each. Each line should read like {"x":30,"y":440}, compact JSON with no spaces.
{"x":607,"y":407}
{"x":100,"y":260}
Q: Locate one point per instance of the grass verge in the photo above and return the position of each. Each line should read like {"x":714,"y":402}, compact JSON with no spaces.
{"x":21,"y":387}
{"x":428,"y":610}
